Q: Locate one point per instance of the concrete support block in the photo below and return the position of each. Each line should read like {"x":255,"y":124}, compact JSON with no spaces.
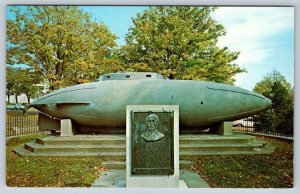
{"x":66,"y":128}
{"x":225,"y":128}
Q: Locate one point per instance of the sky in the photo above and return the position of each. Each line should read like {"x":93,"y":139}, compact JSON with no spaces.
{"x":265,"y":38}
{"x":263,"y":35}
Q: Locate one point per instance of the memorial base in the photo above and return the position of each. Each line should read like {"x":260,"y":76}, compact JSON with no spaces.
{"x":152,"y":163}
{"x":225,"y":128}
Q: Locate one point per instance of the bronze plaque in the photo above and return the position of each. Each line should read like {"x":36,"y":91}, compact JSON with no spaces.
{"x":152,"y":143}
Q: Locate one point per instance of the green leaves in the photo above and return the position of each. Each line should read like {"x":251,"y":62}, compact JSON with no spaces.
{"x":275,"y":87}
{"x":22,"y":80}
{"x":61,"y":42}
{"x":265,"y":86}
{"x":180,"y":43}
{"x":279,"y":118}
{"x":66,"y":47}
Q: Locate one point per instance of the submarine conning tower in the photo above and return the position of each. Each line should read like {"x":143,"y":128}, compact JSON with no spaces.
{"x":131,"y":76}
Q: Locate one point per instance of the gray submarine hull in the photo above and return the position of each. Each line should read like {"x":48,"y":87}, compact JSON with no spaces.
{"x":101,"y":106}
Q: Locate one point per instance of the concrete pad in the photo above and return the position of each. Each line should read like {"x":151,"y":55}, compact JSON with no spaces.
{"x":117,"y":179}
{"x":192,"y":179}
{"x":111,"y":179}
{"x":182,"y":184}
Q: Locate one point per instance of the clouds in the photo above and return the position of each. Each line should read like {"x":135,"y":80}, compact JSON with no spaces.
{"x":253,"y":23}
{"x":263,"y":35}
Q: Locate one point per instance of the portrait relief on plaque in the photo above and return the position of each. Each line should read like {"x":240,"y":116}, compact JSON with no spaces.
{"x":152,"y":133}
{"x":152,"y":142}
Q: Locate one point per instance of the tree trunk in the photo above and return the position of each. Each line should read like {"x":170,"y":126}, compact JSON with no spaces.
{"x":8,"y":98}
{"x":16,"y":97}
{"x":28,"y":98}
{"x":171,"y":76}
{"x":51,"y":87}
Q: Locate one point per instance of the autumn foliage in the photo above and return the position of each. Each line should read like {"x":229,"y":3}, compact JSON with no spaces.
{"x":64,"y":46}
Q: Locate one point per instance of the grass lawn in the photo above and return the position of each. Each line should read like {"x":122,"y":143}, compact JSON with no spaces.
{"x":249,"y":171}
{"x":48,"y":171}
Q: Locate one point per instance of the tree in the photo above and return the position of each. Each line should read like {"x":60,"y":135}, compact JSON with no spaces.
{"x":29,"y":81}
{"x":280,"y":117}
{"x":61,"y":43}
{"x":180,"y":43}
{"x":21,"y":81}
{"x":264,"y":87}
{"x":10,"y":77}
{"x":13,"y":84}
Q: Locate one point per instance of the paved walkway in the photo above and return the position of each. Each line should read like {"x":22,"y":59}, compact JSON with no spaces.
{"x":116,"y":179}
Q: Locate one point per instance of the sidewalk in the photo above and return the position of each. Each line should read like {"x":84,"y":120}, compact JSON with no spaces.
{"x":116,"y":179}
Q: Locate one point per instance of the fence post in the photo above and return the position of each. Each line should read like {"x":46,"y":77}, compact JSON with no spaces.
{"x":21,"y":125}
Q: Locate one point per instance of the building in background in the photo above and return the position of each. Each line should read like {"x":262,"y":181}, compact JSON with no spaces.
{"x":22,"y":99}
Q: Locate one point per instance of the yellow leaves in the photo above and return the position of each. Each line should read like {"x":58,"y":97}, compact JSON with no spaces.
{"x":169,"y":35}
{"x":142,"y":67}
{"x":58,"y":38}
{"x":169,"y":38}
{"x":60,"y":183}
{"x":167,"y":72}
{"x":145,"y":26}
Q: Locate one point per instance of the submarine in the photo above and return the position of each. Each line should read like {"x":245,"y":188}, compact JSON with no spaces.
{"x":100,"y":106}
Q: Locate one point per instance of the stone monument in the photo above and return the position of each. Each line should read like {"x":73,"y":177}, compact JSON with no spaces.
{"x":152,"y":146}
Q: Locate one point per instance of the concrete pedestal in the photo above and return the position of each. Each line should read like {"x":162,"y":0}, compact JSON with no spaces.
{"x":66,"y":129}
{"x":225,"y":128}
